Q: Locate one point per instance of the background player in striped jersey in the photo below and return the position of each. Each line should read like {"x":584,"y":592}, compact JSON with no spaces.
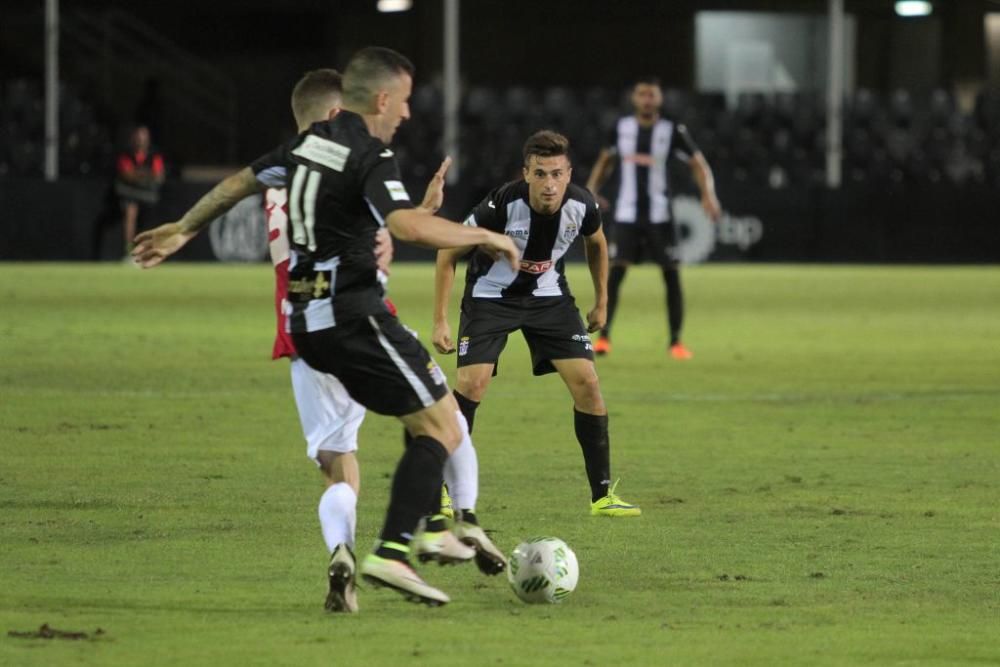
{"x":642,"y":144}
{"x":385,"y":366}
{"x":544,"y":213}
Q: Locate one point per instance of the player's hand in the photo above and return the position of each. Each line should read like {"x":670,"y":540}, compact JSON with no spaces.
{"x":597,"y":318}
{"x":383,"y":250}
{"x":155,"y":245}
{"x":710,"y":204}
{"x":434,"y":196}
{"x":441,"y":338}
{"x":500,"y":246}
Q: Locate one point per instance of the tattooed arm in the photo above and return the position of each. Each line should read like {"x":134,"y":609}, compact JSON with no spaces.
{"x":155,"y":245}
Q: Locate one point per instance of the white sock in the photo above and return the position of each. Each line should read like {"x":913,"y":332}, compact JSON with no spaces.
{"x":338,"y":515}
{"x":461,"y":471}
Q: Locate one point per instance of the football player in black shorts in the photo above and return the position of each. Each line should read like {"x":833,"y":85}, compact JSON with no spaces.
{"x":644,"y":225}
{"x":343,"y":186}
{"x":543,"y":213}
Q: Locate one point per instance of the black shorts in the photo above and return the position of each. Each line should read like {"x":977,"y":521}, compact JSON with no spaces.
{"x":551,"y":325}
{"x":382,"y":365}
{"x":634,"y":241}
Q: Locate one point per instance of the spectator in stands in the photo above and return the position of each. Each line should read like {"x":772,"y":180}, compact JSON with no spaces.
{"x":138,"y":177}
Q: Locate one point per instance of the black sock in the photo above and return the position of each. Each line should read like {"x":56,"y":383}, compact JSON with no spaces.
{"x":675,"y":303}
{"x":592,"y":433}
{"x":416,"y":483}
{"x":615,"y":279}
{"x":435,"y":507}
{"x":468,"y":408}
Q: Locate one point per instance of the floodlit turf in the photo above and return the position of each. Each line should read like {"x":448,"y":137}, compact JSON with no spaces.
{"x":819,"y":484}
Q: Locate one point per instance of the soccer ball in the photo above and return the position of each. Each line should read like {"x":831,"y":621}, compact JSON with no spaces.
{"x":543,"y":569}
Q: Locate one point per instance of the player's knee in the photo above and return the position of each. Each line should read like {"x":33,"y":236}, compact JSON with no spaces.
{"x":450,"y":435}
{"x":473,"y":387}
{"x":591,"y":386}
{"x":440,"y":425}
{"x":587,"y":390}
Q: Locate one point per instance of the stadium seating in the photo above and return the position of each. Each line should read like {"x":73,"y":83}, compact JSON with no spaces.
{"x":771,"y":141}
{"x":85,"y":143}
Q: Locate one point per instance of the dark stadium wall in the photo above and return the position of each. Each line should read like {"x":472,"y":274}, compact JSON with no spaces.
{"x":860,"y":223}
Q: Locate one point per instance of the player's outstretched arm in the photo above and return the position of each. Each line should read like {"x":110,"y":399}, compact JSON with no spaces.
{"x":155,"y":245}
{"x":596,"y":248}
{"x":444,"y":278}
{"x":411,"y":225}
{"x":702,"y":175}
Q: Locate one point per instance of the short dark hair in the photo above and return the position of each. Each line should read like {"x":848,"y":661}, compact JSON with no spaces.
{"x":313,"y":90}
{"x":545,"y":143}
{"x":368,"y":69}
{"x":648,"y":80}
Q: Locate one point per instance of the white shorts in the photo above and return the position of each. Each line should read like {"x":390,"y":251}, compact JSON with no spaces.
{"x":330,"y":417}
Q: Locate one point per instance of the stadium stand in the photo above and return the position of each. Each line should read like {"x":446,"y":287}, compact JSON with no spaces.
{"x":767,"y":141}
{"x":85,"y":147}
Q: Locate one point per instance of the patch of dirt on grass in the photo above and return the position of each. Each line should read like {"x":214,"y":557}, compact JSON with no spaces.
{"x":46,"y":631}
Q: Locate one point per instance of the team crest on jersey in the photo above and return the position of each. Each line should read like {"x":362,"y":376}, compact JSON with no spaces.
{"x":570,"y":232}
{"x":463,"y":346}
{"x":435,"y":372}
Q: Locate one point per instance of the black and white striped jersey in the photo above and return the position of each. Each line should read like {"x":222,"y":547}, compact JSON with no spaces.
{"x":542,"y":239}
{"x":342,"y":183}
{"x":643,"y":187}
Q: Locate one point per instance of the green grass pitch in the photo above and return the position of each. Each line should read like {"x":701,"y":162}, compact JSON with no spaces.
{"x":819,"y":484}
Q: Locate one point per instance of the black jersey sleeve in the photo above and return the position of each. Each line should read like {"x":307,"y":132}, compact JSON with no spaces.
{"x":591,"y":219}
{"x":383,"y":188}
{"x":487,"y":213}
{"x":271,"y":169}
{"x":683,"y":145}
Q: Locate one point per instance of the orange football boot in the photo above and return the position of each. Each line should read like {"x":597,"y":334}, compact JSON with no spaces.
{"x":679,"y":352}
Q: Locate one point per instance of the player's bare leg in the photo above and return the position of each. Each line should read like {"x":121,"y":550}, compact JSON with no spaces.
{"x":474,"y":380}
{"x":338,"y":517}
{"x":584,"y":386}
{"x":590,"y":418}
{"x":340,"y":468}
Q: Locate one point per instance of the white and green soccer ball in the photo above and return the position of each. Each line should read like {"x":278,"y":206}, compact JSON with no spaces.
{"x":543,"y":569}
